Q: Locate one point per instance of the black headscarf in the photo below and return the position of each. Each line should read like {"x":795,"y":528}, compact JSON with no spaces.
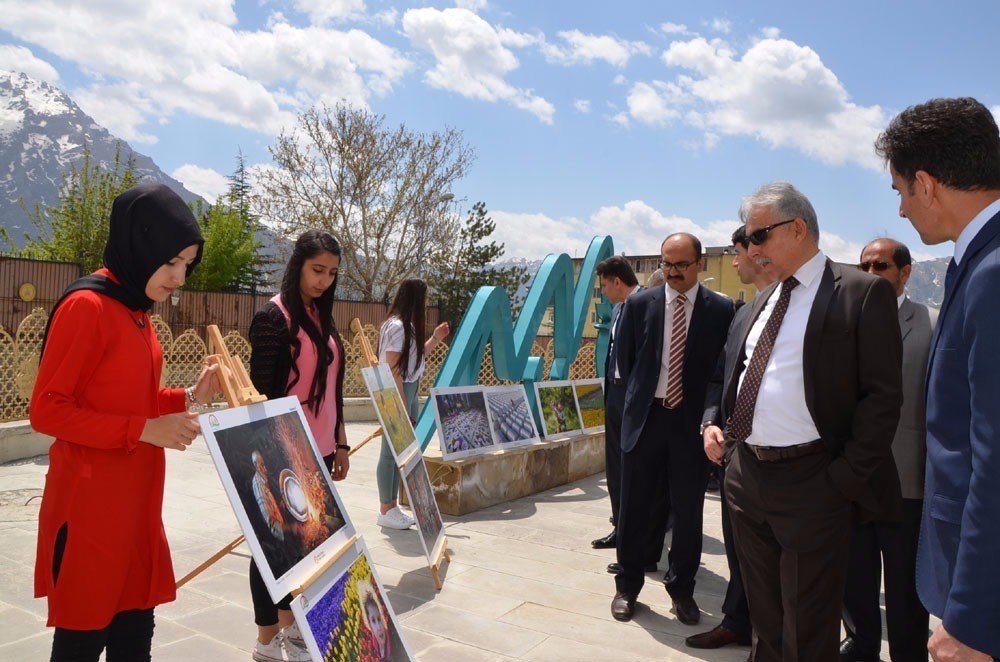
{"x":150,"y":225}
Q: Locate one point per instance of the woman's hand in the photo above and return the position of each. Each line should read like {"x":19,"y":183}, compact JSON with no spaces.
{"x":441,"y":331}
{"x":341,"y":464}
{"x":208,"y":383}
{"x":174,"y":431}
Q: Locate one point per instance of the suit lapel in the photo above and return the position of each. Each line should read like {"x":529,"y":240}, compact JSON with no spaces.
{"x":906,"y":312}
{"x":758,"y":305}
{"x":814,"y":329}
{"x":697,"y":320}
{"x":659,"y":303}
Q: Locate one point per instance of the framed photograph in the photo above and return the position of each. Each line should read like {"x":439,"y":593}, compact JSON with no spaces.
{"x":462,"y":421}
{"x":425,"y":509}
{"x":511,"y":420}
{"x":344,"y":615}
{"x":391,"y":410}
{"x":557,"y":409}
{"x":280,"y":489}
{"x":590,"y":403}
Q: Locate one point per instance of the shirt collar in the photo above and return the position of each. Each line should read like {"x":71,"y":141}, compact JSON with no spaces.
{"x":973,"y":228}
{"x":810,"y":272}
{"x":634,"y":290}
{"x":900,"y":299}
{"x":690,"y":294}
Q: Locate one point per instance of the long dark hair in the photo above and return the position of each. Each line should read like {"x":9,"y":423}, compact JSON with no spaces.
{"x":408,"y":306}
{"x":310,"y":244}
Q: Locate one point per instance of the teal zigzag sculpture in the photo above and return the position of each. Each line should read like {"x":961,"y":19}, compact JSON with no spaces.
{"x":488,"y":320}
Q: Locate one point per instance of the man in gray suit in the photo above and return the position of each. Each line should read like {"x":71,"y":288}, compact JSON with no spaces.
{"x":894,"y":543}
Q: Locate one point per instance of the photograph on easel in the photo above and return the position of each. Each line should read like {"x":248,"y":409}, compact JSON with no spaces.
{"x":425,"y":509}
{"x":557,"y":406}
{"x":462,"y":422}
{"x":590,"y":402}
{"x":390,"y":409}
{"x":510,"y":416}
{"x":279,"y":488}
{"x":344,"y":615}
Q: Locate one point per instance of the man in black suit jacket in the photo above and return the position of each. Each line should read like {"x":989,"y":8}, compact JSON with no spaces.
{"x":618,"y":281}
{"x":814,"y":400}
{"x":669,"y":340}
{"x":735,"y":626}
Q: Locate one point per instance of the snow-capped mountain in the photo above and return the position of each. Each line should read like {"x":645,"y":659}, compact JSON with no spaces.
{"x":42,"y":134}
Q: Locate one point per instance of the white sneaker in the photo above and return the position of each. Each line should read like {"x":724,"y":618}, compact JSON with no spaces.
{"x":394,"y":519}
{"x":406,"y":516}
{"x":281,"y":649}
{"x":294,"y":635}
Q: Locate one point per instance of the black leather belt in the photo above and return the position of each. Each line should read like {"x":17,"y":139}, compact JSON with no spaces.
{"x":777,"y":453}
{"x":617,"y":382}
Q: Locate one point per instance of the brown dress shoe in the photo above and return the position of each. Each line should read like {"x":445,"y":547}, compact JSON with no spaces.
{"x":716,"y":638}
{"x":687,"y":611}
{"x":623,"y":606}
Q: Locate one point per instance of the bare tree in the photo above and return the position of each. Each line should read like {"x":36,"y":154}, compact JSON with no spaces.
{"x":381,"y":191}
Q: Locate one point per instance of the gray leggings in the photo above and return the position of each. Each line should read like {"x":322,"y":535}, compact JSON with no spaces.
{"x":385,"y":473}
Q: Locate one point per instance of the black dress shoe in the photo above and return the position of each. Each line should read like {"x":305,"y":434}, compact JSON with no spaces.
{"x":717,"y":638}
{"x":614,"y":568}
{"x":623,"y":606}
{"x":687,"y":611}
{"x":849,"y":652}
{"x":607,"y":542}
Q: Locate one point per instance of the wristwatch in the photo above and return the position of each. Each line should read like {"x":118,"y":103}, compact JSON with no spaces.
{"x":705,"y":425}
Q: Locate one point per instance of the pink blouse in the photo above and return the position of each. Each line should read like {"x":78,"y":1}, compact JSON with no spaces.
{"x":323,"y":425}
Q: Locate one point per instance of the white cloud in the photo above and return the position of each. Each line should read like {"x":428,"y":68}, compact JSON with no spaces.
{"x":582,"y":105}
{"x":206,"y":182}
{"x":621,"y":119}
{"x":516,"y":39}
{"x":723,"y":25}
{"x":471,"y":59}
{"x":654,"y":103}
{"x":771,"y":32}
{"x":387,"y":17}
{"x":636,"y":227}
{"x":190,"y":56}
{"x":674,"y":28}
{"x":121,"y":109}
{"x":472,"y":5}
{"x":778,"y":92}
{"x":321,"y":12}
{"x":620,"y":79}
{"x":19,"y":58}
{"x":996,"y":113}
{"x":581,"y":48}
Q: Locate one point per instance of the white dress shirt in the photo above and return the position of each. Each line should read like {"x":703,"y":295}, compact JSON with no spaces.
{"x":899,"y":300}
{"x":668,"y":330}
{"x":973,"y":228}
{"x":614,"y":325}
{"x":781,"y":417}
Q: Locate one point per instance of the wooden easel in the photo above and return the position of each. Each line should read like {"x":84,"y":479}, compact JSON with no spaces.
{"x":370,"y":361}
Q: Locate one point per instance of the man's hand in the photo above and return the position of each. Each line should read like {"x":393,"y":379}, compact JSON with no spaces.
{"x":715,"y":443}
{"x":946,"y":648}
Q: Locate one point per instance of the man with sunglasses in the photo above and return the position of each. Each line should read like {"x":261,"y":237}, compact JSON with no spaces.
{"x":813,"y":402}
{"x":944,"y":158}
{"x":894,"y":543}
{"x":668,"y":342}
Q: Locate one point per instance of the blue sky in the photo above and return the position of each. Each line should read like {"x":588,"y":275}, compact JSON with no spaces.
{"x":634,"y":119}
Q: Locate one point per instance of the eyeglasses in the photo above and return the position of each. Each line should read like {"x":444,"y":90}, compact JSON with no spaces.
{"x":758,"y":237}
{"x":679,"y":266}
{"x":874,"y":266}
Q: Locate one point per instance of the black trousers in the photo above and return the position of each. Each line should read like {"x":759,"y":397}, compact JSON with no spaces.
{"x":894,"y":545}
{"x":734,"y":607}
{"x":128,"y":638}
{"x":265,"y":611}
{"x":614,"y":401}
{"x":665,"y":473}
{"x":792,"y":529}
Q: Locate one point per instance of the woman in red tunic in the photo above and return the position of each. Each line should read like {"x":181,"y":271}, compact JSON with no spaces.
{"x":103,"y":561}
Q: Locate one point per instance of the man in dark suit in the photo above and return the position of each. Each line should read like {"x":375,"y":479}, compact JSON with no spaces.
{"x":894,"y":544}
{"x":735,"y":626}
{"x":668,"y":343}
{"x":618,"y":281}
{"x":944,"y":157}
{"x":814,"y":400}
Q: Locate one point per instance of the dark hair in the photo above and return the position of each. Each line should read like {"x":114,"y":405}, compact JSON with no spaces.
{"x":408,"y":306}
{"x":900,"y":253}
{"x":740,"y":237}
{"x":617,"y":267}
{"x":695,"y":242}
{"x":954,"y":140}
{"x":310,"y":244}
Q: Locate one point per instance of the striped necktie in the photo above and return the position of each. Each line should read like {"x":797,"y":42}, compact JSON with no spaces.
{"x":675,"y":370}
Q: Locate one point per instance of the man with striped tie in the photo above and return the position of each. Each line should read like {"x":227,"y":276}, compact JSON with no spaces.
{"x":667,"y":346}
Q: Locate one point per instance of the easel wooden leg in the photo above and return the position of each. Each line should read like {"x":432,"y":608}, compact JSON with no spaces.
{"x":436,"y":566}
{"x":210,"y":562}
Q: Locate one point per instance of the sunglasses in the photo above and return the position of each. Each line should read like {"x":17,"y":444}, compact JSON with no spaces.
{"x":758,"y":237}
{"x":874,"y":266}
